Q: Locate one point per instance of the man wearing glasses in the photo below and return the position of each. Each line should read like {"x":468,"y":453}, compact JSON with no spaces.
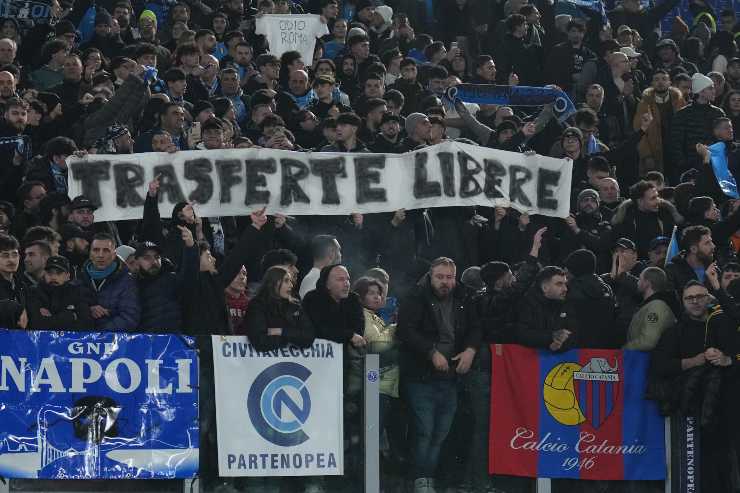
{"x":691,"y":367}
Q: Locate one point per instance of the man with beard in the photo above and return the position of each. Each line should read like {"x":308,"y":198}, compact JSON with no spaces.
{"x":439,"y":341}
{"x":689,"y":373}
{"x":418,"y":132}
{"x":644,"y":217}
{"x":347,"y":126}
{"x":697,"y":253}
{"x":82,"y":213}
{"x":76,"y":247}
{"x":662,"y":101}
{"x":15,"y":147}
{"x":656,"y":314}
{"x":35,"y":255}
{"x":160,"y":287}
{"x":543,"y":321}
{"x":7,"y":87}
{"x":388,"y":140}
{"x":589,"y":228}
{"x":58,"y":303}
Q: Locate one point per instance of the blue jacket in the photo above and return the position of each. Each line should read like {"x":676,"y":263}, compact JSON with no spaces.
{"x":118,"y":294}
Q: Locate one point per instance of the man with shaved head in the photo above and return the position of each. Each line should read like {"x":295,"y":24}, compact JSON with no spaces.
{"x":7,"y":86}
{"x":8,"y":50}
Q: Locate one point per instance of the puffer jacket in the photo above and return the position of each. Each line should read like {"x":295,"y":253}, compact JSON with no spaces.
{"x":679,"y":272}
{"x":161,"y":295}
{"x":590,"y":302}
{"x":642,"y":228}
{"x":539,"y":317}
{"x":419,"y":330}
{"x":118,"y":294}
{"x":691,"y":125}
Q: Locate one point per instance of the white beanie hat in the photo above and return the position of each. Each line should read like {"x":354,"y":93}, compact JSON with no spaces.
{"x":385,"y":12}
{"x":699,"y":82}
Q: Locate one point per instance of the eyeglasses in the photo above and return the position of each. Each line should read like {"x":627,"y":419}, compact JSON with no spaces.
{"x":696,"y":298}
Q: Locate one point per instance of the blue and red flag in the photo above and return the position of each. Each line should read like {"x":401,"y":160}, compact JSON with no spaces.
{"x":580,"y":414}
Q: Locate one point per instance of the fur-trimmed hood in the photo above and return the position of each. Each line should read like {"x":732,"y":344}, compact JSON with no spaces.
{"x":628,"y":205}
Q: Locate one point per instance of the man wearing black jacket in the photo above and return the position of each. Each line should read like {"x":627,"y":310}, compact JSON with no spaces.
{"x":440,"y":338}
{"x":495,"y":308}
{"x":689,"y":370}
{"x":543,"y":321}
{"x":590,"y":302}
{"x":160,"y":287}
{"x":57,"y":303}
{"x":696,"y":255}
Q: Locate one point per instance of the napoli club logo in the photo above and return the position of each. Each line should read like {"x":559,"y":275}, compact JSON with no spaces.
{"x":279,"y":404}
{"x":574,"y":394}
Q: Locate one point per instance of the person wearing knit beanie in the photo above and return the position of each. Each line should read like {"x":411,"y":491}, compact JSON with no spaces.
{"x":418,"y":131}
{"x":103,"y":18}
{"x":700,"y":82}
{"x":492,"y":271}
{"x":581,"y":263}
{"x":588,"y":193}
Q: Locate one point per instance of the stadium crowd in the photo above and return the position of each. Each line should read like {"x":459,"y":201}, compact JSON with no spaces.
{"x":427,"y":289}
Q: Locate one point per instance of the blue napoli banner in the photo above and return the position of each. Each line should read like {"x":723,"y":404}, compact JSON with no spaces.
{"x":77,"y":405}
{"x":515,"y":96}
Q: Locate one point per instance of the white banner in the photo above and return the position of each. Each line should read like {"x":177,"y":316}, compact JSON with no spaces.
{"x":291,"y":32}
{"x":279,"y":413}
{"x":235,"y":182}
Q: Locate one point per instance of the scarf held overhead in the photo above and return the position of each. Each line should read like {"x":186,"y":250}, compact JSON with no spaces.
{"x":515,"y":96}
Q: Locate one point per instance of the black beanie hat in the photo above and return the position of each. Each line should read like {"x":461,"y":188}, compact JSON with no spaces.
{"x":492,"y":272}
{"x":581,"y":262}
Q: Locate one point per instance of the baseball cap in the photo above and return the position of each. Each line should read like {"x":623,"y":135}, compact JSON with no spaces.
{"x":630,"y":52}
{"x":57,"y":262}
{"x":125,"y":251}
{"x":659,"y":241}
{"x":625,"y":243}
{"x":82,"y":202}
{"x":349,"y":119}
{"x":146,"y":246}
{"x":624,"y":29}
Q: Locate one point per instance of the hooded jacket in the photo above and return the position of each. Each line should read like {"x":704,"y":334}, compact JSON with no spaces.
{"x":629,"y":222}
{"x":590,"y":302}
{"x":118,"y":294}
{"x":656,"y":315}
{"x":419,"y":329}
{"x":335,"y":321}
{"x":68,"y":305}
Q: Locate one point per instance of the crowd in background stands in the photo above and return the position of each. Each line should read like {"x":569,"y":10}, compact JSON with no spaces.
{"x":427,"y":289}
